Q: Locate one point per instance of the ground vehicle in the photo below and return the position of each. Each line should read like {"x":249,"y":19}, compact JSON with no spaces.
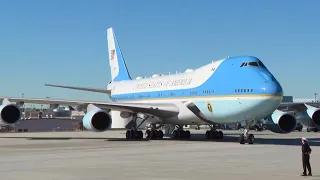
{"x":314,"y":129}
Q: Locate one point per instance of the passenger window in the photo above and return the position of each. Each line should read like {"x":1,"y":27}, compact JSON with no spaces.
{"x":245,"y":90}
{"x":242,"y":64}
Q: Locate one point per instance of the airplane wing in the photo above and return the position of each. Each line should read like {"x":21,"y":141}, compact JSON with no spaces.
{"x":106,"y":91}
{"x":297,"y":106}
{"x":164,"y":110}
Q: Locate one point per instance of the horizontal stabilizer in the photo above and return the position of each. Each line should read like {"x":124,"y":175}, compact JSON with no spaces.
{"x":106,"y":91}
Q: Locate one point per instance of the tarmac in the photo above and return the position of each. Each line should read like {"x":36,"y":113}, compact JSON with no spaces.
{"x":107,"y":155}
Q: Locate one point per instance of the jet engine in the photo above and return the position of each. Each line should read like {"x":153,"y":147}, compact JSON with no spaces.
{"x":9,"y":113}
{"x":281,"y":122}
{"x":96,"y":119}
{"x":310,"y":117}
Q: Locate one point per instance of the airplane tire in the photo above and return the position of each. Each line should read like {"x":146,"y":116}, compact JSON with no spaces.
{"x":220,"y":134}
{"x":207,"y":134}
{"x":251,"y":139}
{"x":158,"y":134}
{"x":128,"y":134}
{"x":139,"y":135}
{"x":187,"y":134}
{"x":241,"y":139}
{"x":148,"y":134}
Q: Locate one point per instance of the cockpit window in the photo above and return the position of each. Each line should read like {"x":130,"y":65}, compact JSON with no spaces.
{"x":257,"y":64}
{"x":261,"y":64}
{"x":253,"y":64}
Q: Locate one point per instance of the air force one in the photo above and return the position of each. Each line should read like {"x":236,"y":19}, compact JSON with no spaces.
{"x":227,"y":91}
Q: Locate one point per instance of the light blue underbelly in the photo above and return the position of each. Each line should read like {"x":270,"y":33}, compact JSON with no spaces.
{"x":234,"y":110}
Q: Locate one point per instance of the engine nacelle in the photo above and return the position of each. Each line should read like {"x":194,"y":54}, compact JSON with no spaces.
{"x":281,"y":122}
{"x":310,"y":117}
{"x":97,"y":120}
{"x":10,"y":113}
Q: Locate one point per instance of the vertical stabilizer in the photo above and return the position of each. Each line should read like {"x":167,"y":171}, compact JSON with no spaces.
{"x":118,"y":66}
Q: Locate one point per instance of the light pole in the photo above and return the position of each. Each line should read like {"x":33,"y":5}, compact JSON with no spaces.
{"x":48,"y":97}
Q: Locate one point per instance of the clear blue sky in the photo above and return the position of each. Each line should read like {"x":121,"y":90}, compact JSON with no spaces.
{"x":64,"y":42}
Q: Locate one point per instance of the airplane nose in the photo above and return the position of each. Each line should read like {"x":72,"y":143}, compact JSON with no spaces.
{"x":274,"y":88}
{"x":271,"y":85}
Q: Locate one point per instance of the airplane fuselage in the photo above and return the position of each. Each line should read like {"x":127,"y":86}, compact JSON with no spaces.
{"x":224,"y":91}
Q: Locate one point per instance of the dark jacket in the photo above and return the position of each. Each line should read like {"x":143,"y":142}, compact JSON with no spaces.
{"x":306,"y":150}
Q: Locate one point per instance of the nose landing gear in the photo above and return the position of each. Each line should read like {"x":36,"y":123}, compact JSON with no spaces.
{"x":246,"y":137}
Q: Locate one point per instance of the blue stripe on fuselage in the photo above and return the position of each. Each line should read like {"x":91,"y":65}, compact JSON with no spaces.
{"x":227,"y":80}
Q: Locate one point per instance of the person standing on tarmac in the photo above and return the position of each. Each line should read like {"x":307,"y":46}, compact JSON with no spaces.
{"x":306,"y":151}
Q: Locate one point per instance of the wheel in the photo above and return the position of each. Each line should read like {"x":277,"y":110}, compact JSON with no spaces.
{"x":220,"y":134}
{"x":160,"y":135}
{"x":128,"y":134}
{"x":139,"y":134}
{"x":316,"y":130}
{"x":187,"y":134}
{"x":241,"y":139}
{"x":300,"y":129}
{"x":308,"y":129}
{"x":250,"y":139}
{"x":213,"y":134}
{"x":131,"y":134}
{"x":148,"y":134}
{"x":207,"y":134}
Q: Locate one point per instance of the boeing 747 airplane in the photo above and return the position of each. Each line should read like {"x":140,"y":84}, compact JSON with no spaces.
{"x":226,"y":91}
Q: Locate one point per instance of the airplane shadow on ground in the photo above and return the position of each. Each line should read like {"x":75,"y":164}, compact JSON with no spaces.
{"x":70,"y":138}
{"x":194,"y":137}
{"x":258,"y":141}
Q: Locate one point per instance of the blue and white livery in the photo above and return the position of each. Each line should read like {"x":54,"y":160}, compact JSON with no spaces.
{"x":226,"y":91}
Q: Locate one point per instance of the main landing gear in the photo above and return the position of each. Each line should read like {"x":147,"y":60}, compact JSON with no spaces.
{"x":153,"y":133}
{"x":246,"y":137}
{"x":134,"y":133}
{"x":179,"y":133}
{"x":214,"y":134}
